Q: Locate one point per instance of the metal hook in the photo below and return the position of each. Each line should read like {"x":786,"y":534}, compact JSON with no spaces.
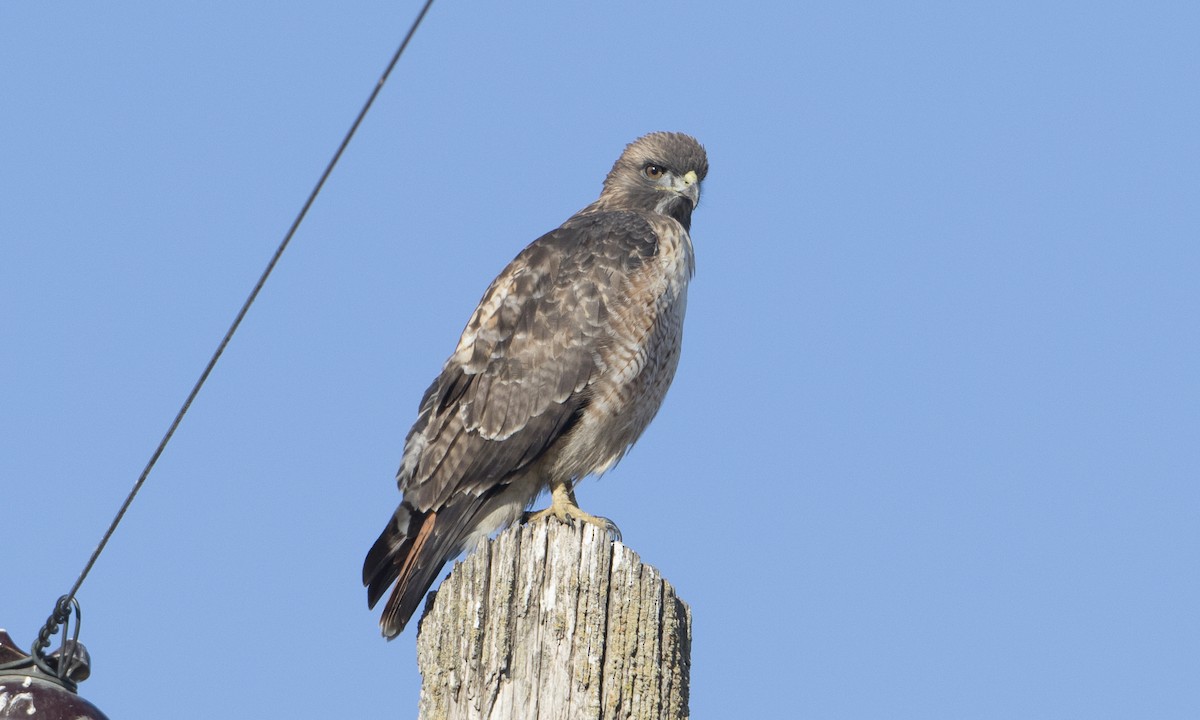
{"x":69,"y":664}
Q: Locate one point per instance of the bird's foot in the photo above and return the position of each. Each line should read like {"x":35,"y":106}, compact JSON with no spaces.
{"x":564,"y":509}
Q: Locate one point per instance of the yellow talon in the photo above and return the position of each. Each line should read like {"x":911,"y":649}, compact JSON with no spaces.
{"x":565,"y":509}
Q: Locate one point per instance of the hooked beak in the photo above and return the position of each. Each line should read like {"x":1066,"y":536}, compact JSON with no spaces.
{"x":689,"y":187}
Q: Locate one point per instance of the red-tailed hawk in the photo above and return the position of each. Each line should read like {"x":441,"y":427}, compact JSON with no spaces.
{"x":559,"y":370}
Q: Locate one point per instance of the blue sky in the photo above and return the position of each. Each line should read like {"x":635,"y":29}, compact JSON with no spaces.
{"x":932,"y":450}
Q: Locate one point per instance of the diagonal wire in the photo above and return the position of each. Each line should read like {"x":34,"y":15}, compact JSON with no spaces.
{"x":53,"y":621}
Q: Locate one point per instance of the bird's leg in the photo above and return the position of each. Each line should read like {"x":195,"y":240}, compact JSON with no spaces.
{"x":565,"y":509}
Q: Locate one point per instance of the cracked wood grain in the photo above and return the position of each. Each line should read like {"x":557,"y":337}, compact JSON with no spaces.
{"x":554,"y":622}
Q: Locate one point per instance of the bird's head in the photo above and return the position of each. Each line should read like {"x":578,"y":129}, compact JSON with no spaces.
{"x":660,"y":172}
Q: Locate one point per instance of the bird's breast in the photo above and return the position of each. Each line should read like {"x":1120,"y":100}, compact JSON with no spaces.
{"x":637,"y":363}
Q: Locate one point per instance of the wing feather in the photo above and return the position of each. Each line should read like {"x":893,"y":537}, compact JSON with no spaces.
{"x":518,"y":379}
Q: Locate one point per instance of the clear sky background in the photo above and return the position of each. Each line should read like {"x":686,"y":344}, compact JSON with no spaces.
{"x":933,"y":449}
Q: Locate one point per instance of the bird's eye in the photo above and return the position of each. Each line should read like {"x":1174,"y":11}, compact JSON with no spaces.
{"x":654,"y":172}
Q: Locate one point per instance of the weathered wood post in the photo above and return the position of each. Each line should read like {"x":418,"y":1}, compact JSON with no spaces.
{"x":551,"y":621}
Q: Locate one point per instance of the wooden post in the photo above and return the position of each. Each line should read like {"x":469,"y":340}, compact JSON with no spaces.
{"x":552,"y":621}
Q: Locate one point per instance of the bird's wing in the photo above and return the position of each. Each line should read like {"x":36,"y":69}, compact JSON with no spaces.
{"x":518,"y":379}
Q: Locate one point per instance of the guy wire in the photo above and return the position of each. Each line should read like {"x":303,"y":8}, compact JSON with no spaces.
{"x":52,"y":623}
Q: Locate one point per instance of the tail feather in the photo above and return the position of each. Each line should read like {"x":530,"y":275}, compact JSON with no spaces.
{"x":379,"y":568}
{"x":411,"y":552}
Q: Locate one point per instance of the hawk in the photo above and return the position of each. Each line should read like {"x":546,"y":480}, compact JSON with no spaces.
{"x":559,"y":370}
